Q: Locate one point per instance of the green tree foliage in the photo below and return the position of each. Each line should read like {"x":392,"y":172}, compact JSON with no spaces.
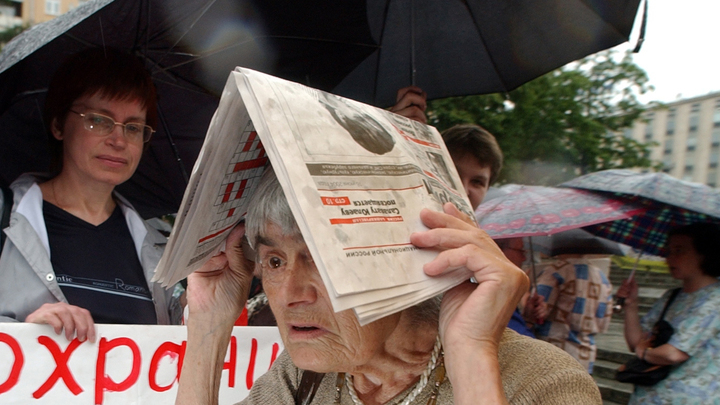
{"x":565,"y":123}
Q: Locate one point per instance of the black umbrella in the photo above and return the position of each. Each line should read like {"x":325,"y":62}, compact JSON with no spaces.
{"x":454,"y":47}
{"x":190,"y":47}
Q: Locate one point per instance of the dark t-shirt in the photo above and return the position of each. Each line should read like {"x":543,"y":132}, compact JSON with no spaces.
{"x":97,"y":267}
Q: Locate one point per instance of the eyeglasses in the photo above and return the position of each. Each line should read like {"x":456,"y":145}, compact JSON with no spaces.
{"x":103,"y":125}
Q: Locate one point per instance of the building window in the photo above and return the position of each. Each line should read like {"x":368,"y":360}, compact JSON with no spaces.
{"x":52,"y":7}
{"x":668,"y":146}
{"x":716,"y":137}
{"x":688,"y":176}
{"x":694,"y":122}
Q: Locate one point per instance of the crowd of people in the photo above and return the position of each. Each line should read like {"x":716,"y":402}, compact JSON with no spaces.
{"x":77,"y":253}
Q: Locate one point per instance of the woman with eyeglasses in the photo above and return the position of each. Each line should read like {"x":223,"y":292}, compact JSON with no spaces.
{"x":77,"y":253}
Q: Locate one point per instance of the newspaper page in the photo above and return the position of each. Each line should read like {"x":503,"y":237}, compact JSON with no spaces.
{"x":356,"y":178}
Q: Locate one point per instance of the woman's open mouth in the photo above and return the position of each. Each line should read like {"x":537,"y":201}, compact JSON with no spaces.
{"x":305,"y":331}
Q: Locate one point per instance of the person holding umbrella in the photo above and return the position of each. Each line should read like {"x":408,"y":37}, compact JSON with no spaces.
{"x":77,"y":253}
{"x":694,"y":347}
{"x":579,"y":306}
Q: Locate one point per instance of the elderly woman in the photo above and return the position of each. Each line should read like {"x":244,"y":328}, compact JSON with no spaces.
{"x":77,"y":253}
{"x":694,"y":347}
{"x":394,"y":360}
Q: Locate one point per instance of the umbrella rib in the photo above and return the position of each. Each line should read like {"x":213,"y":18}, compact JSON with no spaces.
{"x":173,"y":146}
{"x":487,"y":50}
{"x":180,"y":38}
{"x":195,"y":57}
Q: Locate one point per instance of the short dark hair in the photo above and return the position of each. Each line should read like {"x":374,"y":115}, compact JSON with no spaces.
{"x":112,"y":73}
{"x":705,"y":239}
{"x":476,"y":141}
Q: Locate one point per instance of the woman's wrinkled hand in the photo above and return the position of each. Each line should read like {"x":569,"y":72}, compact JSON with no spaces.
{"x":219,"y":289}
{"x":73,"y":319}
{"x":472,"y":315}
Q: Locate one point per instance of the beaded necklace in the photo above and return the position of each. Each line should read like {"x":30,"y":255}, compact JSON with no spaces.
{"x":436,"y":360}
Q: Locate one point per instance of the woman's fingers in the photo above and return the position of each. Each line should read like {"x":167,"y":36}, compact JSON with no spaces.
{"x":74,"y":320}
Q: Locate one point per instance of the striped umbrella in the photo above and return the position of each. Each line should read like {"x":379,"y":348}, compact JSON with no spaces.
{"x":669,"y":203}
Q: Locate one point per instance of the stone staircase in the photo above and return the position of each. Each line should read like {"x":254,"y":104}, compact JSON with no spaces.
{"x":612,"y":349}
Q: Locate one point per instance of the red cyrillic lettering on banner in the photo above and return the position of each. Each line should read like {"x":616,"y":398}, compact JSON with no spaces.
{"x":172,"y":350}
{"x":61,"y":367}
{"x":273,"y":357}
{"x":103,"y":381}
{"x":251,"y":366}
{"x":17,"y":365}
{"x":231,"y":364}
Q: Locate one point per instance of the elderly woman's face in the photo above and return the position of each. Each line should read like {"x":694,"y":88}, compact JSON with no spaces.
{"x":316,"y":338}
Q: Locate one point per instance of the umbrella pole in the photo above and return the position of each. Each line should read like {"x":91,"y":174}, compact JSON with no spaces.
{"x":620,"y":301}
{"x":412,"y":43}
{"x":533,"y":280}
{"x":173,"y":147}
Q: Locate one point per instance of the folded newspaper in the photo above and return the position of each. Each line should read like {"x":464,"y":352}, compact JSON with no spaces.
{"x":355,"y":176}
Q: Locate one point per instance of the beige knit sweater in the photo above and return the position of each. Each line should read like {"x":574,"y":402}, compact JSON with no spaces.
{"x":533,"y":372}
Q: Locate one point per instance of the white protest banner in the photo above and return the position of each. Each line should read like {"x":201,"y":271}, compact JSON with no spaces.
{"x":128,"y":364}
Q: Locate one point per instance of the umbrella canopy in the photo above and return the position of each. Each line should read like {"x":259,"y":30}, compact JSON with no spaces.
{"x":535,"y":211}
{"x":669,"y":203}
{"x":454,"y":48}
{"x":576,"y":241}
{"x":190,"y":47}
{"x":363,"y":49}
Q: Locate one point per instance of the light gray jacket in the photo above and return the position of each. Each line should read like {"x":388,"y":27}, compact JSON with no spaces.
{"x":27,"y":279}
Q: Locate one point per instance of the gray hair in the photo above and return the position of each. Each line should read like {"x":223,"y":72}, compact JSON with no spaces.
{"x":268,"y":205}
{"x":426,"y":312}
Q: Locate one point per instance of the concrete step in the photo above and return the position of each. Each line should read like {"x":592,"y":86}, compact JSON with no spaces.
{"x":605,"y":369}
{"x":613,"y":392}
{"x":614,"y":356}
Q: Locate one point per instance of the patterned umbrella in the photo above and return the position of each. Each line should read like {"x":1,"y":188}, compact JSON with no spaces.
{"x":669,"y":202}
{"x":535,"y":210}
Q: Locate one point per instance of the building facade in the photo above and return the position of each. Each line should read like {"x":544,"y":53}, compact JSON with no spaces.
{"x":37,"y":11}
{"x":10,"y":14}
{"x":687,"y":137}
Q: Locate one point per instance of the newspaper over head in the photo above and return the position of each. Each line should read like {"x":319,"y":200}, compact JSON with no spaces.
{"x":356,"y":178}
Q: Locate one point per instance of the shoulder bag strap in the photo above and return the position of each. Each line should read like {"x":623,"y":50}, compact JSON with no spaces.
{"x":674,"y":294}
{"x":309,"y":384}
